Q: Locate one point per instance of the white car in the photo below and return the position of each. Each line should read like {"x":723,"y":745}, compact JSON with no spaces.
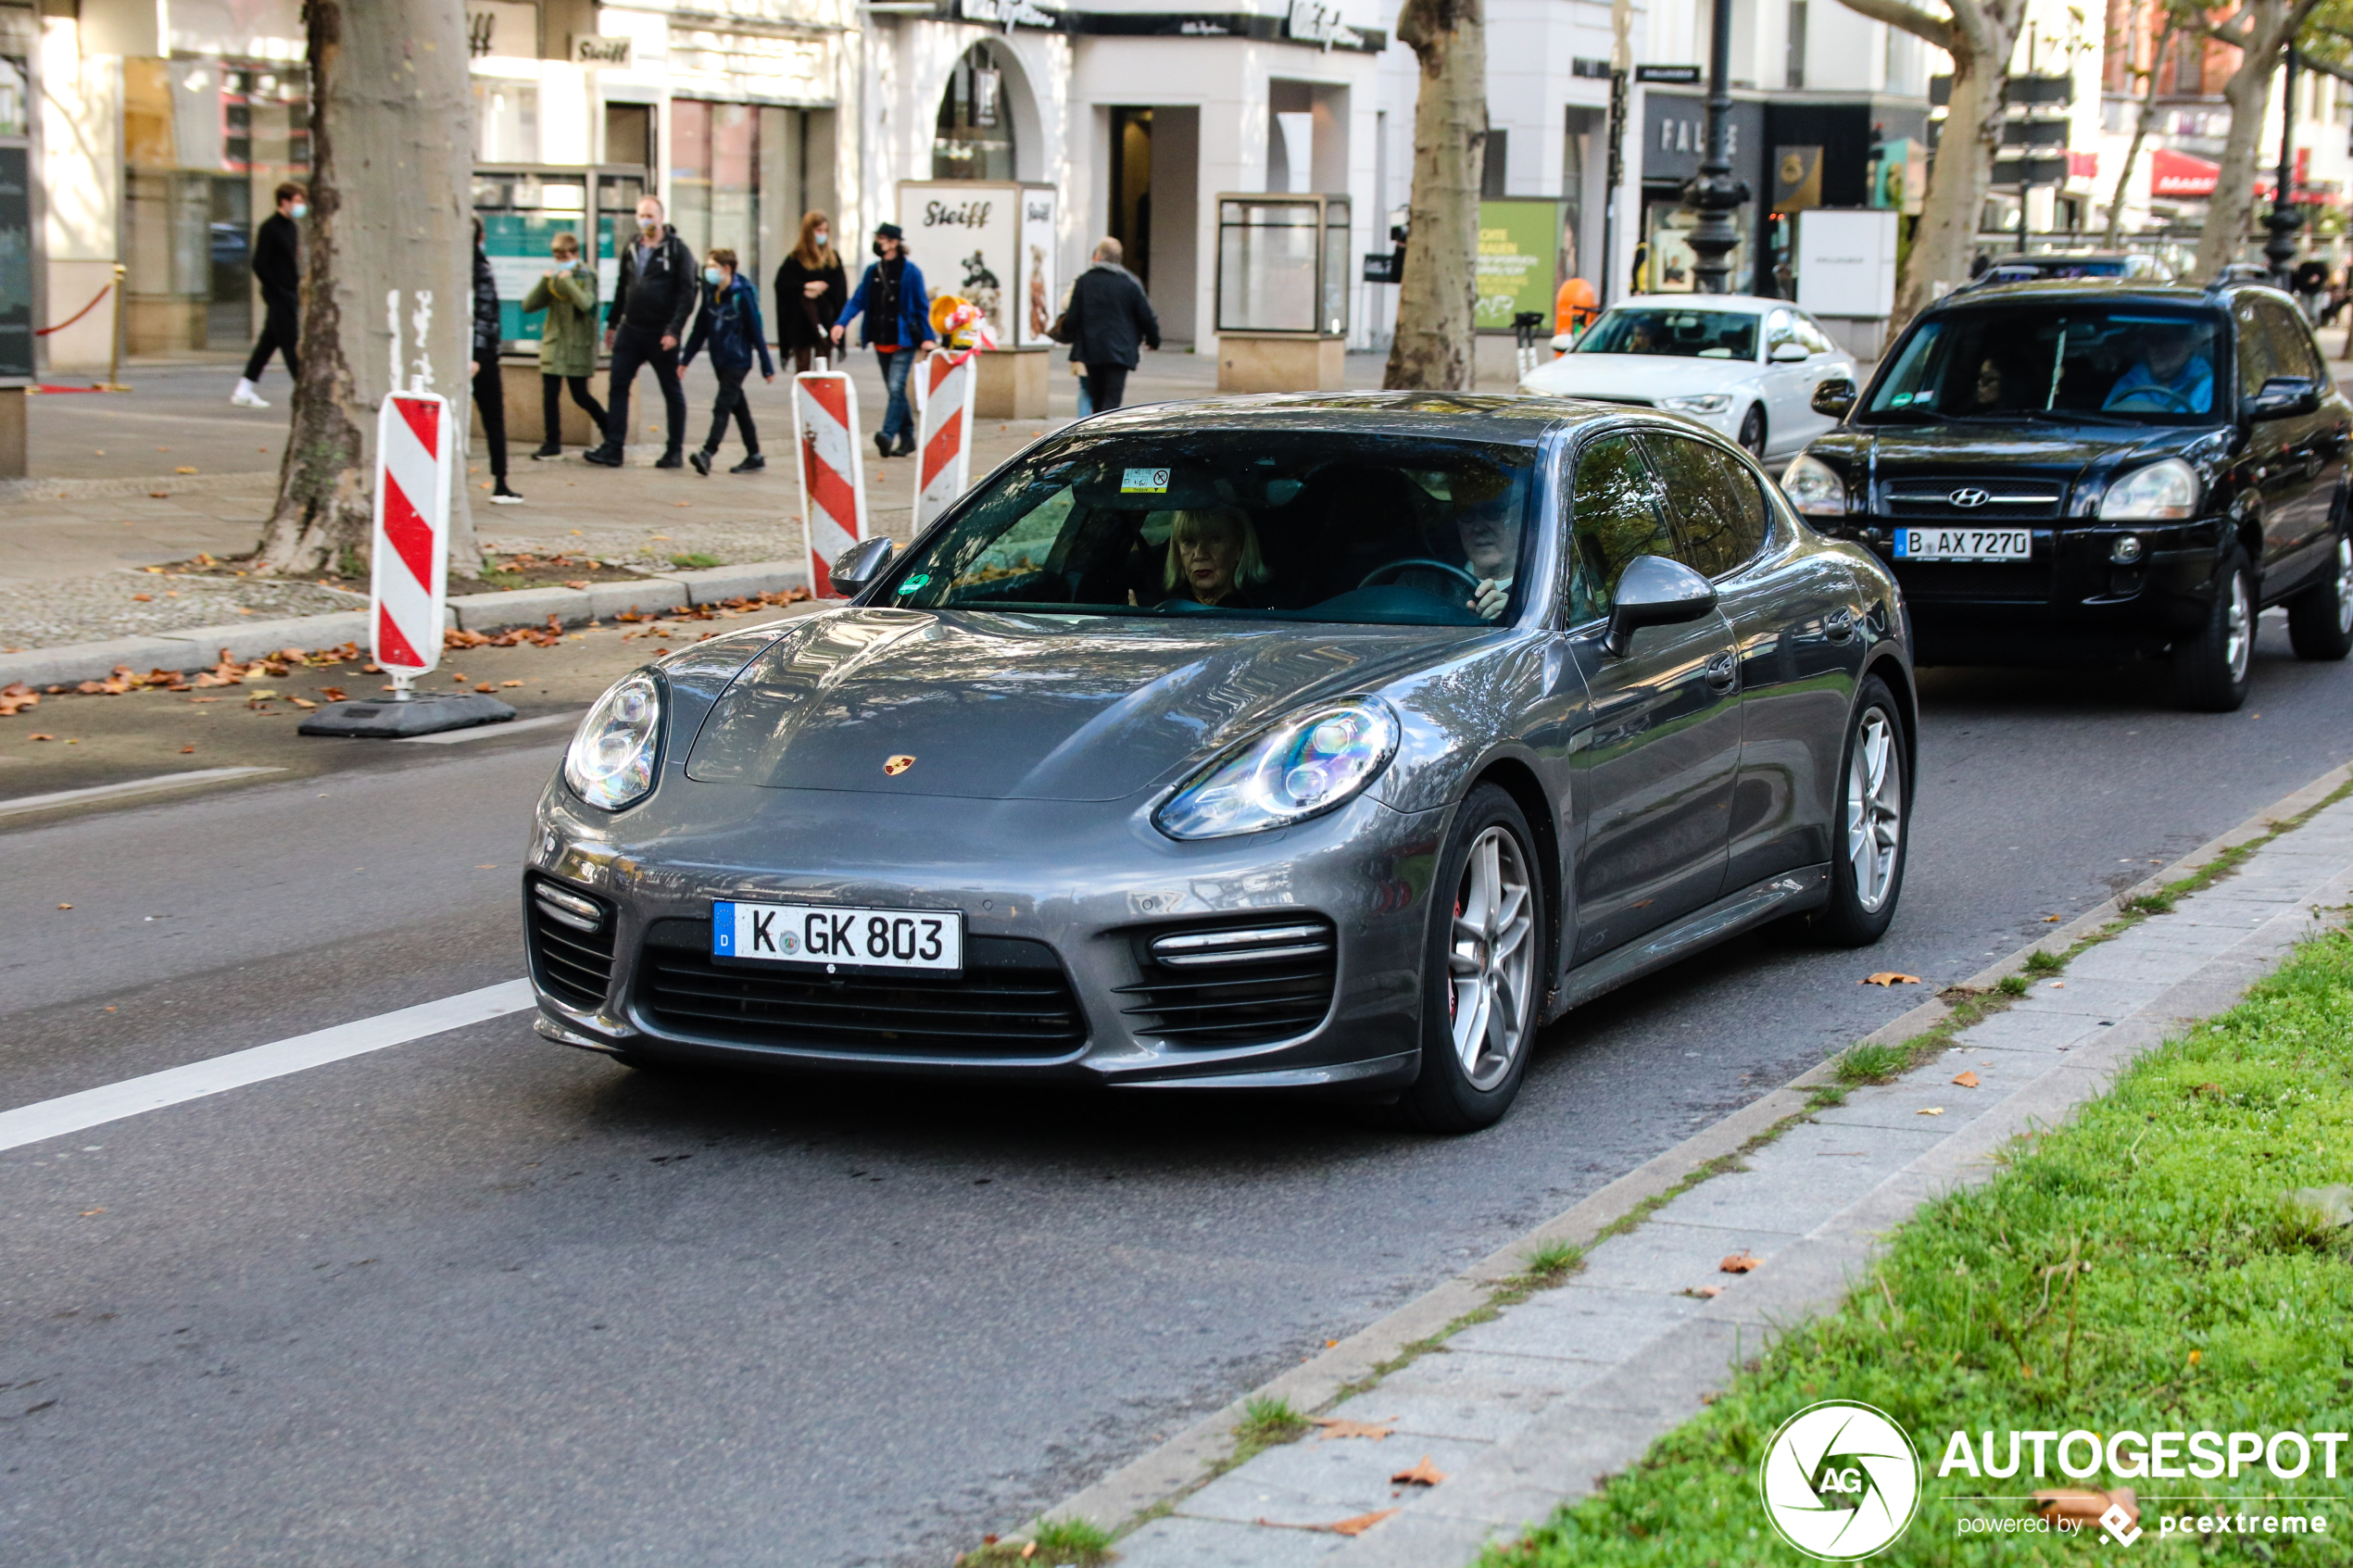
{"x":1742,"y":366}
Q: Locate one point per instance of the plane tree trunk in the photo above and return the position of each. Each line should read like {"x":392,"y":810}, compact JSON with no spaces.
{"x":1432,"y":351}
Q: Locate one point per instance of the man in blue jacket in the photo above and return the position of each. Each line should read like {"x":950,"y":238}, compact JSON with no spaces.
{"x":730,"y":322}
{"x":898,"y":315}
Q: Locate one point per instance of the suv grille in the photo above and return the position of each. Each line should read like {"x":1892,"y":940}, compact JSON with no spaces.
{"x":571,"y":936}
{"x":1013,"y":1001}
{"x":2006,"y":500}
{"x":1234,"y":984}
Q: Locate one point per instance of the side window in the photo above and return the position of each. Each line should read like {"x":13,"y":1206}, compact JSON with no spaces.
{"x":1719,"y":513}
{"x":1616,"y":519}
{"x":2259,"y":360}
{"x":1780,"y":328}
{"x":2292,"y":342}
{"x":1813,"y":337}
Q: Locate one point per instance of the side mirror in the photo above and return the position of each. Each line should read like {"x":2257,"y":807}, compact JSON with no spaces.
{"x":1654,"y":591}
{"x":1563,"y":343}
{"x":2283,"y":396}
{"x":858,"y":566}
{"x":1834,"y":397}
{"x":1789,"y":353}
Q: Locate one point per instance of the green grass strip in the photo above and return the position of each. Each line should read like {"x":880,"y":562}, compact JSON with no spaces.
{"x":2141,"y":1268}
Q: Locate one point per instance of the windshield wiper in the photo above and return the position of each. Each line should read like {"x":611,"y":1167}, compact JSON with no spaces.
{"x":2081,"y":416}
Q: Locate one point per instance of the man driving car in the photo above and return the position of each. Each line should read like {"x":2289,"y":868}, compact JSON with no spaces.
{"x":2171,"y":377}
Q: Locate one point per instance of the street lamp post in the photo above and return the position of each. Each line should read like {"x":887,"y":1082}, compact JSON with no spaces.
{"x":1715,"y":194}
{"x":2285,"y":220}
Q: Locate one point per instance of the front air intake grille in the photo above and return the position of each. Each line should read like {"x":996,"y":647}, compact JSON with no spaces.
{"x":1013,"y":1001}
{"x":1234,"y":984}
{"x":570,"y":937}
{"x":1994,"y":500}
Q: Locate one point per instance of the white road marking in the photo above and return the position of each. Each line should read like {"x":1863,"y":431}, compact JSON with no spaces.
{"x":484,"y":732}
{"x":131,"y":786}
{"x":174,"y":1085}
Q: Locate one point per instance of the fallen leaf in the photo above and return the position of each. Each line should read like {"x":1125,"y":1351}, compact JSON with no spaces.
{"x":87,"y":1212}
{"x":1966,"y":1080}
{"x":1359,"y":1524}
{"x":1889,"y":977}
{"x":41,"y":737}
{"x":2050,"y":919}
{"x":2058,"y":985}
{"x":185,"y":750}
{"x":582,"y":583}
{"x":1334,"y":1427}
{"x":1710,"y":1291}
{"x":332,"y":693}
{"x":2083,"y":1505}
{"x":1422,"y":1473}
{"x":484,"y":687}
{"x":1740,"y":1263}
{"x":302,"y":702}
{"x":510,"y":683}
{"x":65,"y":906}
{"x":1930,"y":1110}
{"x":159,"y":494}
{"x":143,"y":599}
{"x":183,"y":469}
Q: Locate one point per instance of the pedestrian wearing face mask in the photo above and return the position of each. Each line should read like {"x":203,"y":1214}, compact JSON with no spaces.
{"x":811,"y":287}
{"x":898,"y":315}
{"x":656,"y":294}
{"x":567,"y":291}
{"x":277,"y":263}
{"x":490,"y":390}
{"x":730,"y":323}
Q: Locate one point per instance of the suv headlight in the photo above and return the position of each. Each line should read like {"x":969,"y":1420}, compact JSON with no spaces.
{"x":1308,"y":764}
{"x":1814,"y":487}
{"x":611,"y":762}
{"x":1700,"y":403}
{"x":2162,"y":490}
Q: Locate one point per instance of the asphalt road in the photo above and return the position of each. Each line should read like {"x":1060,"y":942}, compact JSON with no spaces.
{"x":480,"y":1300}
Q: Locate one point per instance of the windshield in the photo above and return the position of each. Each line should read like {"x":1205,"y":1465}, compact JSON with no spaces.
{"x":2130,"y":363}
{"x":1246,"y":524}
{"x":1689,"y":335}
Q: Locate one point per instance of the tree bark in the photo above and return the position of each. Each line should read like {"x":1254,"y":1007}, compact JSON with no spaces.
{"x":1433,"y":348}
{"x":1980,"y":36}
{"x":2162,"y":41}
{"x":2259,"y":30}
{"x":389,"y":234}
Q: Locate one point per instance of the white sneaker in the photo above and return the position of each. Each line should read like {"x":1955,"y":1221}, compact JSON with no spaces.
{"x":246,"y":397}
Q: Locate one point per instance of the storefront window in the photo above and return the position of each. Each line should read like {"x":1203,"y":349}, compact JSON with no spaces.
{"x":975,"y":139}
{"x":1668,"y":227}
{"x":1282,"y":264}
{"x":505,"y":122}
{"x":714,"y":178}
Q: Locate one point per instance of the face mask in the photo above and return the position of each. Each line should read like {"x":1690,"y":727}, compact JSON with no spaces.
{"x":713,"y":276}
{"x":821,"y":239}
{"x":878,"y":247}
{"x":649,"y":225}
{"x":296,"y":210}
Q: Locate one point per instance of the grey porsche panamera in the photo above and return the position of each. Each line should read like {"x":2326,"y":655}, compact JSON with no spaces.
{"x":1330,"y":742}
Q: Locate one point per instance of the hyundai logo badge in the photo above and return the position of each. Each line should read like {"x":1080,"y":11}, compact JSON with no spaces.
{"x":1968,"y":497}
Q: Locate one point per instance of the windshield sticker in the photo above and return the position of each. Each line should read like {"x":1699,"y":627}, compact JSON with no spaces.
{"x":914,"y":583}
{"x":1143,"y":482}
{"x":1901,"y":398}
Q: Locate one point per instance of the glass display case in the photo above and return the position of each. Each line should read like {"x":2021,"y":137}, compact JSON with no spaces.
{"x":1282,"y":264}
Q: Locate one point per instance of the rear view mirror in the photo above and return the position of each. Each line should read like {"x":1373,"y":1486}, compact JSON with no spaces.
{"x":860,"y":565}
{"x":1834,"y":397}
{"x":2284,"y":395}
{"x":1654,"y":591}
{"x":1789,"y":353}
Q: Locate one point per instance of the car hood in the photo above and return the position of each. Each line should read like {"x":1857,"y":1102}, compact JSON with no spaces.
{"x":1619,"y":376}
{"x":2060,"y":452}
{"x":999,"y":706}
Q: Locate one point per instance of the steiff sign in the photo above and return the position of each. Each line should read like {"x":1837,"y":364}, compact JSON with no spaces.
{"x":603,"y":50}
{"x":990,"y":241}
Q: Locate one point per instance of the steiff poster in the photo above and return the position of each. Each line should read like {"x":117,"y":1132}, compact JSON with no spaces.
{"x":966,"y":235}
{"x":1040,"y":293}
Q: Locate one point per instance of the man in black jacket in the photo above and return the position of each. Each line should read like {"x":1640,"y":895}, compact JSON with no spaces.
{"x":1108,"y":315}
{"x":650,"y":304}
{"x":277,"y":262}
{"x":490,"y":391}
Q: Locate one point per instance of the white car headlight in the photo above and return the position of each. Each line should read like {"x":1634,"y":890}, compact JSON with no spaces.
{"x":2166,"y":489}
{"x":610,"y":763}
{"x":1302,"y":768}
{"x":1814,"y":487}
{"x":1700,"y":403}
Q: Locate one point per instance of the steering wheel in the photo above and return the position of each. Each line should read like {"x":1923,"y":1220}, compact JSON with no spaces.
{"x":1398,"y":568}
{"x":2180,"y":401}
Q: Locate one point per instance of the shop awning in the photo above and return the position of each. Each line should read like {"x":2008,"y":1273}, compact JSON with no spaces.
{"x":2179,"y":174}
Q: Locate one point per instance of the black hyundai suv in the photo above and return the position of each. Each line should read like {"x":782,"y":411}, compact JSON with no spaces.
{"x":2098,"y":470}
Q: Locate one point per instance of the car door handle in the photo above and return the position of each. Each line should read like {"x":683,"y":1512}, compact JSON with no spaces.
{"x":1722,"y":670}
{"x":1839,"y":624}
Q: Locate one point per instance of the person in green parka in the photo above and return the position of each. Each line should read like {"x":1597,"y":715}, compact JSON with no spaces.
{"x":568,"y":344}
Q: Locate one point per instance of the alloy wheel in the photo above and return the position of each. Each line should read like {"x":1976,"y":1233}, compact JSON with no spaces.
{"x":1491,"y":959}
{"x":2345,"y":587}
{"x":2238,"y":641}
{"x":1874,"y":810}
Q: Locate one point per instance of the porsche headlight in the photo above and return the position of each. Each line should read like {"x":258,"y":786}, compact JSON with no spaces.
{"x":611,"y":763}
{"x":1814,"y":488}
{"x":1302,"y":768}
{"x":1700,"y":403}
{"x":2162,"y":490}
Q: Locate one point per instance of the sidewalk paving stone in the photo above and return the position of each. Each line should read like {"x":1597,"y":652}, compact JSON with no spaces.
{"x":1575,"y":1322}
{"x":1468,"y":1393}
{"x":1317,"y":1480}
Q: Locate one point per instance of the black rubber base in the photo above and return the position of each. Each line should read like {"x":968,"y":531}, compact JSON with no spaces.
{"x":398,"y":721}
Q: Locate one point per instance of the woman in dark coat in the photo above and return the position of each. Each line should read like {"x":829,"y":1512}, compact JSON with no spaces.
{"x":810,"y":289}
{"x":490,"y":393}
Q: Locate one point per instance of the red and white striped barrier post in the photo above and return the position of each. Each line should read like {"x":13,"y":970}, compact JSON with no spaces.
{"x":409,"y":561}
{"x":833,"y":476}
{"x":945,"y":387}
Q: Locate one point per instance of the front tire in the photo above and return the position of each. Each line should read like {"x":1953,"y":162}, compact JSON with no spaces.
{"x":1483,"y":969}
{"x":1871,"y":843}
{"x":2320,"y":619}
{"x":2213,"y":670}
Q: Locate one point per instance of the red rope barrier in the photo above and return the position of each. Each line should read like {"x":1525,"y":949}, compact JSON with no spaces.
{"x":44,"y":332}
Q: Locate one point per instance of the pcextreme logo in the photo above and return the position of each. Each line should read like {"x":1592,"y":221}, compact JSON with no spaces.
{"x":1840,"y":1481}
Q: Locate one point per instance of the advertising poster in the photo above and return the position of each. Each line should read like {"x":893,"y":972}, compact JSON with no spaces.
{"x":517,"y":245}
{"x":1041,"y":290}
{"x":966,"y":235}
{"x":1518,"y":259}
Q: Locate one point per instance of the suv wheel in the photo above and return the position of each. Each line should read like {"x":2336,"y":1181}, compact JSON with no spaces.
{"x":2210,"y":668}
{"x":2320,"y":619}
{"x":1753,"y":432}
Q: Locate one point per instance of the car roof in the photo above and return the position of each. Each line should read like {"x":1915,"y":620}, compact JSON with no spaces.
{"x":1510,"y":418}
{"x":1707,"y":302}
{"x":2073,"y":290}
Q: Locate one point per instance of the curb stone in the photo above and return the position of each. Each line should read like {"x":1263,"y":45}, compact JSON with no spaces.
{"x":199,"y":647}
{"x":1148,"y":1488}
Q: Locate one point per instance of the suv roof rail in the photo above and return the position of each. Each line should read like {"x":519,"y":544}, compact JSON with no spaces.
{"x":2239,"y":272}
